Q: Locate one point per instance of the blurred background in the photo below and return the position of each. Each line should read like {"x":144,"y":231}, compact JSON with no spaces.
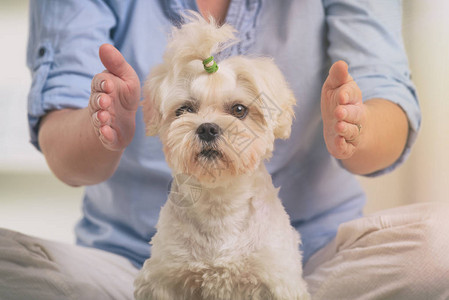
{"x":34,"y":202}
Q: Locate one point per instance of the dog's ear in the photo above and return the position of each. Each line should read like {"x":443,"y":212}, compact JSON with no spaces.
{"x":283,"y":123}
{"x":278,"y":99}
{"x":152,"y":97}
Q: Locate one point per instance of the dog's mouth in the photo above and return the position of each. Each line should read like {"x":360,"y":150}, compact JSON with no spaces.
{"x":210,"y":153}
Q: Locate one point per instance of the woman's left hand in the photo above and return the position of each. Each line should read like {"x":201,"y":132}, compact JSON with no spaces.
{"x":343,"y":112}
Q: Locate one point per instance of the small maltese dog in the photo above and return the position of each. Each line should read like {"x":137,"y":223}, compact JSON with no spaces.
{"x":223,"y":233}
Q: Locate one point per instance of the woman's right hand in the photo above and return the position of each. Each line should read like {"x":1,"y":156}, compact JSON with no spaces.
{"x":114,"y":100}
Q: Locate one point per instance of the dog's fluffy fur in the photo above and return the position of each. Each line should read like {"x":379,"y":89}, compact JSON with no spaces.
{"x":224,"y":233}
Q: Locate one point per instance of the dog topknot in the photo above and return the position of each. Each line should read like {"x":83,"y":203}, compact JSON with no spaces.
{"x":197,"y":39}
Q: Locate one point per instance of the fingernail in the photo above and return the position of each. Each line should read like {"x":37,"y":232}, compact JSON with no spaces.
{"x":98,"y":101}
{"x":102,"y":85}
{"x":96,"y":116}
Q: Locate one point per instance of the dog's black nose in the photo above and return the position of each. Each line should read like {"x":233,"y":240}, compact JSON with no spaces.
{"x":208,"y":131}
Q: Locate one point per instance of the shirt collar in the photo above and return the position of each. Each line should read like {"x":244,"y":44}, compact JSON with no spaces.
{"x":242,"y":15}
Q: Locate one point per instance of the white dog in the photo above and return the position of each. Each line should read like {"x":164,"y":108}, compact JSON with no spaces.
{"x":224,"y":233}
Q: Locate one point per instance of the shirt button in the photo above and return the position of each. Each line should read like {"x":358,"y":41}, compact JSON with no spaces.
{"x":42,"y":51}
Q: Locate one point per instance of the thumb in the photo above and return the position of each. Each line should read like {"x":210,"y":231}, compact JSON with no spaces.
{"x":338,"y":75}
{"x":115,"y":63}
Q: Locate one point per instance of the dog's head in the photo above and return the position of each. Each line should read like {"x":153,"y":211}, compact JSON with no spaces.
{"x":221,"y":124}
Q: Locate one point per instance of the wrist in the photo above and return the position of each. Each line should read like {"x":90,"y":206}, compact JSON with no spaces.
{"x":382,"y":138}
{"x":72,"y":149}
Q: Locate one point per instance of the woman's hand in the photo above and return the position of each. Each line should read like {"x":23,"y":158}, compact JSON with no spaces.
{"x":343,"y":112}
{"x":84,"y":146}
{"x":114,"y":100}
{"x":366,"y":136}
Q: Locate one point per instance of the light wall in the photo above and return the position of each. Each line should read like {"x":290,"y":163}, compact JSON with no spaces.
{"x":32,"y":201}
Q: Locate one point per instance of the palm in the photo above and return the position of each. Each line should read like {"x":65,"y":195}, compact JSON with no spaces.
{"x":114,"y":100}
{"x":120,"y":111}
{"x":342,"y":111}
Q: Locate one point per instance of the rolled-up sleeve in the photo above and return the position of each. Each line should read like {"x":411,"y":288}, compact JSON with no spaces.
{"x":367,"y":34}
{"x":62,"y":54}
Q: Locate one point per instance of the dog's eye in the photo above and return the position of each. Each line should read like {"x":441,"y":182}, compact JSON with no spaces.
{"x":239,"y":111}
{"x":184,"y":109}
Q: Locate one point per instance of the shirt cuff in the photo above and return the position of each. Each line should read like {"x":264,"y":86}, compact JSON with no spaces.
{"x":52,"y":90}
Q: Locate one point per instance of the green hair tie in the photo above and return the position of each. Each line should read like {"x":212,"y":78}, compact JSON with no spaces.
{"x":210,"y":65}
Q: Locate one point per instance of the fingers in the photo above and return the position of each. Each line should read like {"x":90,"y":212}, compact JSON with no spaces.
{"x":348,"y":113}
{"x":108,"y":136}
{"x":338,"y":75}
{"x":99,"y":103}
{"x":349,"y":93}
{"x":103,"y":82}
{"x":114,"y":99}
{"x":348,"y":120}
{"x":347,"y":102}
{"x":101,"y":118}
{"x":101,"y":121}
{"x":345,"y":149}
{"x":101,"y":89}
{"x":340,"y":148}
{"x":343,"y":111}
{"x":349,"y":132}
{"x":340,"y":88}
{"x":115,"y":63}
{"x":122,"y":75}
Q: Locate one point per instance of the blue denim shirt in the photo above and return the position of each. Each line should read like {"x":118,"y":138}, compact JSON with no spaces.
{"x":304,"y":37}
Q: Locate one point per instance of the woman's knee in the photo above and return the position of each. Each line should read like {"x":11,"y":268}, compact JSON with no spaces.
{"x":428,"y":264}
{"x":395,"y":254}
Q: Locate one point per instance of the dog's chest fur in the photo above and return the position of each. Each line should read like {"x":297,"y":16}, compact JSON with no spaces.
{"x":224,"y":247}
{"x":222,"y":222}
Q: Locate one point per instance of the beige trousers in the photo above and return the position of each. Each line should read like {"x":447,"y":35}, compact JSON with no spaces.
{"x":36,"y":269}
{"x":402,"y":253}
{"x":397,"y":254}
